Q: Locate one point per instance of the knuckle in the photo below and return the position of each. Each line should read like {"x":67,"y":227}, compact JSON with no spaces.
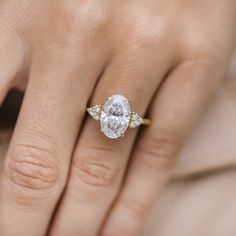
{"x":88,"y":17}
{"x":144,"y":36}
{"x":97,"y":169}
{"x":160,"y":151}
{"x":201,"y":46}
{"x":144,"y":28}
{"x":199,"y":51}
{"x":79,"y":27}
{"x":32,"y":168}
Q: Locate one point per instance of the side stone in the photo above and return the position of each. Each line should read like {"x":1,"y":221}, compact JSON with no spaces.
{"x":136,"y":120}
{"x":95,"y":111}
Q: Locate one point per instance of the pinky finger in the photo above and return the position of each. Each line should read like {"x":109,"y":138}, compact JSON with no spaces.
{"x":176,"y":108}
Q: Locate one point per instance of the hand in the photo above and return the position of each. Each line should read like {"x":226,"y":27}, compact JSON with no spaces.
{"x":61,"y":175}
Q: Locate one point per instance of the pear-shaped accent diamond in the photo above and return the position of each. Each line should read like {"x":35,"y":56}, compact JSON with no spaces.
{"x":135,"y":120}
{"x":95,"y":111}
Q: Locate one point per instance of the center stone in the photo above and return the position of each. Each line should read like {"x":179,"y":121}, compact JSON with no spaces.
{"x":115,"y":116}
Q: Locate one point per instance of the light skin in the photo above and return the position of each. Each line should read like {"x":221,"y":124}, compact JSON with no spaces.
{"x":62,"y":176}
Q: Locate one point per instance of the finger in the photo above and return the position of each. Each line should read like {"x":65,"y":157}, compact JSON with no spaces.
{"x":175,"y":110}
{"x":39,"y":155}
{"x":99,"y":163}
{"x":12,"y":54}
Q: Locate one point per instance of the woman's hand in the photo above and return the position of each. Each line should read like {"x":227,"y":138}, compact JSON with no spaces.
{"x":61,"y":175}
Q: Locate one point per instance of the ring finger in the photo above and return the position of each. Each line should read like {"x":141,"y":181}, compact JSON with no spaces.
{"x":99,"y":163}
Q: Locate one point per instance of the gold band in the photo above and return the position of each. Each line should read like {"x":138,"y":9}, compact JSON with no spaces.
{"x":146,"y":121}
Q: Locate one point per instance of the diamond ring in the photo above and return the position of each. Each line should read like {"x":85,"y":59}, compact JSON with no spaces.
{"x":116,"y":116}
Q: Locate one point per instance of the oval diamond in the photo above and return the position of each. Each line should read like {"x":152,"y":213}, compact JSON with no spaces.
{"x":115,"y":116}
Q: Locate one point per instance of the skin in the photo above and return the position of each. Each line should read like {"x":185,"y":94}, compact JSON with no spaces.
{"x":61,"y":176}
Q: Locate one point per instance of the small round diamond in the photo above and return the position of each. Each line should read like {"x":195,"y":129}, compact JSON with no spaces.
{"x":115,"y":116}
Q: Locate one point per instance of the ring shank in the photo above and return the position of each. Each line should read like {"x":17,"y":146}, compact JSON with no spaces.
{"x":146,"y":121}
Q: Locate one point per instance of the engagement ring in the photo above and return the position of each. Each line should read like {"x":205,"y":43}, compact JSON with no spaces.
{"x":116,"y":117}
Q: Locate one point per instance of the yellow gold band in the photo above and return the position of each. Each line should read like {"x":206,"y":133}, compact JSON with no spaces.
{"x":146,"y":121}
